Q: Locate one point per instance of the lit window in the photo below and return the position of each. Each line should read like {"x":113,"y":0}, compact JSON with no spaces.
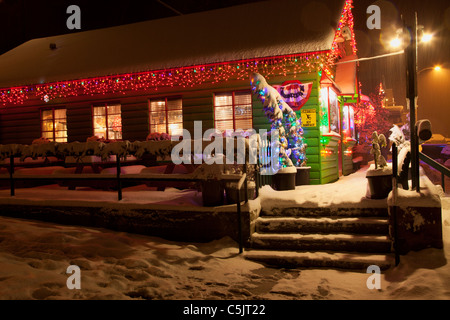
{"x":166,"y":116}
{"x":54,"y":125}
{"x":107,"y":121}
{"x":233,"y":111}
{"x":329,"y":105}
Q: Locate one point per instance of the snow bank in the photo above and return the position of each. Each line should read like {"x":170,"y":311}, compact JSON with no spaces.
{"x":34,"y":257}
{"x":348,"y":191}
{"x":429,"y":195}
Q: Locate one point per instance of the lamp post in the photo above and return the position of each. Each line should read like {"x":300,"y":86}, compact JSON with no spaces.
{"x":411,"y":95}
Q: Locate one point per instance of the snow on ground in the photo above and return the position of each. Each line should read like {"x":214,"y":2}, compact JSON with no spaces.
{"x":34,"y":257}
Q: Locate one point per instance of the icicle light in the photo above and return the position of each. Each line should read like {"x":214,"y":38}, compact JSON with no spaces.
{"x":174,"y":77}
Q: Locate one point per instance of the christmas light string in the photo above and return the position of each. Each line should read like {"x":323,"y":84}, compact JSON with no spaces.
{"x":346,"y":19}
{"x":174,"y":77}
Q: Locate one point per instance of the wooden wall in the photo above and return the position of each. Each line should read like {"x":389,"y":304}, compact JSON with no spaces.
{"x":22,"y":124}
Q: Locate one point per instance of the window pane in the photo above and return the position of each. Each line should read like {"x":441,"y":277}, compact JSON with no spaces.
{"x":242,"y":98}
{"x":48,"y":135}
{"x":158,"y":118}
{"x":334,"y":112}
{"x":47,"y":125}
{"x":160,"y":128}
{"x":114,"y":109}
{"x":224,"y":125}
{"x":224,"y":113}
{"x":244,"y":124}
{"x":176,"y":129}
{"x":175,"y":116}
{"x":60,"y":114}
{"x":223,"y":100}
{"x":99,"y":111}
{"x":47,"y":115}
{"x":243,"y":111}
{"x":157,"y":106}
{"x":174,"y":104}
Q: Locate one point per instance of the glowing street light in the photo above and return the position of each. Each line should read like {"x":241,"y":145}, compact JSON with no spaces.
{"x":395,"y":43}
{"x":435,"y":68}
{"x":426,"y":37}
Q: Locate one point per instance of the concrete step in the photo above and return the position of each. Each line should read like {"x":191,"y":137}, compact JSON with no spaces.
{"x":325,"y":212}
{"x":321,"y":242}
{"x":358,"y":225}
{"x":320,"y":259}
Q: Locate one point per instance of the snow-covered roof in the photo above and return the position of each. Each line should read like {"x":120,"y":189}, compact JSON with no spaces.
{"x":261,"y":29}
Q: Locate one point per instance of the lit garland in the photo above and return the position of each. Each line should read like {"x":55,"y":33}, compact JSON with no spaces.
{"x":284,"y":121}
{"x":346,"y":19}
{"x":174,"y":77}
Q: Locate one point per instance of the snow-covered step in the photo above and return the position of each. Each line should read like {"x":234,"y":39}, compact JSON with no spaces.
{"x":321,"y":242}
{"x":324,"y":212}
{"x":359,"y":225}
{"x":345,"y":260}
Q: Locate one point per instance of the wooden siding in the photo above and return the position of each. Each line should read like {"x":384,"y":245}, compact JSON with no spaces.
{"x":22,"y":124}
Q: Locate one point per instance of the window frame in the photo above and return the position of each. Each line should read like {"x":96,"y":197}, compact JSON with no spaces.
{"x":53,"y":109}
{"x":105,"y":105}
{"x":166,"y":112}
{"x":233,"y":105}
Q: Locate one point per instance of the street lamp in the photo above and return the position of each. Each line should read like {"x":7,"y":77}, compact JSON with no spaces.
{"x":435,"y":68}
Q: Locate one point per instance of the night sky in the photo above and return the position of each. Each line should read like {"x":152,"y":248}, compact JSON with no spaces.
{"x":23,"y":20}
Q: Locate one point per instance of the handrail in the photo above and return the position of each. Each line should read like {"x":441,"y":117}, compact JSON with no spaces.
{"x":436,"y":165}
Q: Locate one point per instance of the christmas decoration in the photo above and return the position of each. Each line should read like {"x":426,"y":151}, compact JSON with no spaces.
{"x":295,"y":93}
{"x":174,"y":77}
{"x":284,"y":120}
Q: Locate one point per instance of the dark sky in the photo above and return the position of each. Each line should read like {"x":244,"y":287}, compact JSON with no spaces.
{"x":22,"y":20}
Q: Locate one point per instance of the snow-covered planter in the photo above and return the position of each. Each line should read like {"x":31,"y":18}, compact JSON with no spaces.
{"x":284,"y":179}
{"x":302,"y":176}
{"x":379,"y":181}
{"x":231,"y":192}
{"x":212,"y":187}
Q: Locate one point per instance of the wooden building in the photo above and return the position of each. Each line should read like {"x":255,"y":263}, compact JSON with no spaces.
{"x":162,"y":75}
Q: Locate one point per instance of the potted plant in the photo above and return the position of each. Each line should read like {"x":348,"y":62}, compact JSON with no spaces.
{"x":379,"y":174}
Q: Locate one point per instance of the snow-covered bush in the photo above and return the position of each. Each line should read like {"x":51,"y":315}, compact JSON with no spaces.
{"x":10,"y":150}
{"x":398,"y":137}
{"x":156,"y":136}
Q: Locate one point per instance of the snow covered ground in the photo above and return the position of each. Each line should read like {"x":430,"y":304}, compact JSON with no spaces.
{"x":34,"y":257}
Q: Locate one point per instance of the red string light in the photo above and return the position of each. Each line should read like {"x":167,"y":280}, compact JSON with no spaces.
{"x":345,"y":20}
{"x":174,"y":77}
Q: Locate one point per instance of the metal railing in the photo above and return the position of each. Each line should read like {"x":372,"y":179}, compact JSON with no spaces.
{"x":436,"y":165}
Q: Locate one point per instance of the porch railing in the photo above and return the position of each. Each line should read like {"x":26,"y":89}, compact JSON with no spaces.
{"x":436,"y":165}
